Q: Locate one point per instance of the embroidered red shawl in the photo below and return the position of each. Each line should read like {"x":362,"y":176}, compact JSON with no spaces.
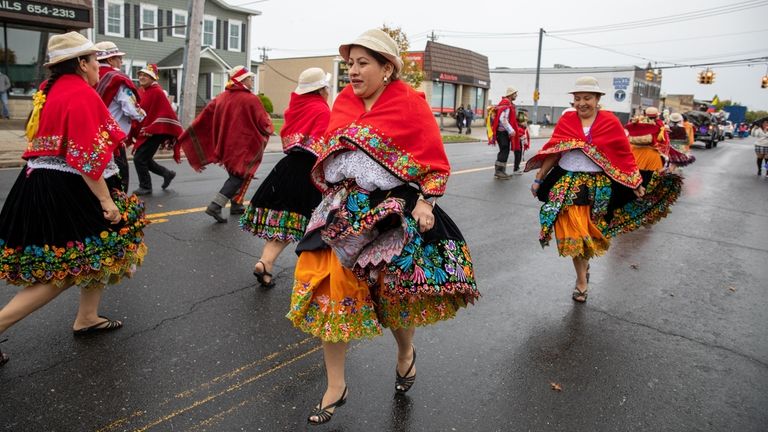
{"x":514,"y":141}
{"x":110,"y":80}
{"x":161,"y":118}
{"x":75,"y":125}
{"x":607,"y":145}
{"x":232,"y":130}
{"x":399,"y":132}
{"x":306,"y":120}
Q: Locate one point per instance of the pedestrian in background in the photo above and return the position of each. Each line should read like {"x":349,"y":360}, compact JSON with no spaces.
{"x":469,"y":116}
{"x":507,"y":134}
{"x":761,"y":146}
{"x":233,"y":131}
{"x":160,"y":129}
{"x":60,"y":225}
{"x":378,"y":251}
{"x":461,"y":118}
{"x":589,"y":181}
{"x":679,"y":155}
{"x":121,"y":97}
{"x":280,"y":209}
{"x":5,"y":87}
{"x":649,"y":139}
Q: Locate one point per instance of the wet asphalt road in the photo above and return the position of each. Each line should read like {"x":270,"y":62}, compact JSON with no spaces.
{"x":674,"y":336}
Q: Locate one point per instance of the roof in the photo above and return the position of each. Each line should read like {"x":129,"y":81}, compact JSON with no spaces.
{"x":236,"y":8}
{"x":175,"y":59}
{"x":454,"y":60}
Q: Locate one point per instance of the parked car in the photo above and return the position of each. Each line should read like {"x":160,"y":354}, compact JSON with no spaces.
{"x":705,"y":128}
{"x":727,"y":129}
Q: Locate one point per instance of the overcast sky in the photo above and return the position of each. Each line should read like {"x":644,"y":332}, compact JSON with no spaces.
{"x":296,"y":28}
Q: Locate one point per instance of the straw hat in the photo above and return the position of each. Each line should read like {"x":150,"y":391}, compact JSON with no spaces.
{"x":107,"y":49}
{"x":652,"y":112}
{"x":239,"y":73}
{"x":675,"y":117}
{"x":67,"y":46}
{"x":151,"y":71}
{"x":312,"y":79}
{"x":510,"y":91}
{"x":586,"y":84}
{"x":376,"y":40}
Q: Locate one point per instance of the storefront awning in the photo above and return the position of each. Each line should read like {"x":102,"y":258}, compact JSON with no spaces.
{"x":60,"y":14}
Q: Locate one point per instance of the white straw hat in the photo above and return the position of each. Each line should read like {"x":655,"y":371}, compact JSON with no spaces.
{"x":312,"y":79}
{"x":510,"y":91}
{"x":378,"y":41}
{"x":151,"y":71}
{"x":675,"y":117}
{"x":652,"y":112}
{"x":107,"y":49}
{"x":586,"y":84}
{"x":67,"y":46}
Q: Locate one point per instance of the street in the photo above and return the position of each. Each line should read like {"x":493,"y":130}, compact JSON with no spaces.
{"x":674,"y":336}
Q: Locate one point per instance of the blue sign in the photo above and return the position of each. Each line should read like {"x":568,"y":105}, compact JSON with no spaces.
{"x":620,"y":83}
{"x":620,"y":95}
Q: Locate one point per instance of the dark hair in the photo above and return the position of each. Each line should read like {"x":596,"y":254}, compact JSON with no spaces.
{"x":382,"y":61}
{"x":57,"y":70}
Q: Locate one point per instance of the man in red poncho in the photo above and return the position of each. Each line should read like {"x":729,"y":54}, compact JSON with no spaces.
{"x":507,"y":134}
{"x":121,"y":97}
{"x":159,"y":128}
{"x":232,"y":131}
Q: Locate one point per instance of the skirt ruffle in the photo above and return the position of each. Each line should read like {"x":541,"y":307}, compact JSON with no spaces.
{"x":662,"y":191}
{"x":679,"y":155}
{"x":281,"y":207}
{"x":52,"y":230}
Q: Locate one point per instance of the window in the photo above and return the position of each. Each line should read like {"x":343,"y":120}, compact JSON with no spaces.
{"x":114,"y":18}
{"x":443,"y":96}
{"x":217,"y":84}
{"x":179,"y":19}
{"x":235,"y":28}
{"x":209,"y":31}
{"x":148,"y":20}
{"x":479,"y":104}
{"x":136,"y":66}
{"x":22,"y":54}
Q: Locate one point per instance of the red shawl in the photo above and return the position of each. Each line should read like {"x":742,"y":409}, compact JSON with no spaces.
{"x":110,"y":80}
{"x":161,"y":118}
{"x":607,"y":146}
{"x":75,"y":125}
{"x":514,"y":141}
{"x":650,"y":132}
{"x":399,"y":132}
{"x":306,"y":120}
{"x":232,"y":130}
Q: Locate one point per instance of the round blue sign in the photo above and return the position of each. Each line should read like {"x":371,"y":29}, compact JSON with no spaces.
{"x":620,"y":95}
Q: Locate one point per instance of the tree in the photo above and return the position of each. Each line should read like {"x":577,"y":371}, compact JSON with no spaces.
{"x":266,"y":102}
{"x":753,"y":116}
{"x":410,"y":72}
{"x":11,"y":56}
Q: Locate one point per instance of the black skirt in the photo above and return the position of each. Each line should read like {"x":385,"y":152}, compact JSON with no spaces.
{"x":52,"y":230}
{"x":281,"y":207}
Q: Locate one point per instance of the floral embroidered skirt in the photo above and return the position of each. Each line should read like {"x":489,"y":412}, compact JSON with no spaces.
{"x":679,"y":153}
{"x":52,"y":230}
{"x":585,"y":210}
{"x":368,"y":267}
{"x":281,"y":207}
{"x":647,"y":158}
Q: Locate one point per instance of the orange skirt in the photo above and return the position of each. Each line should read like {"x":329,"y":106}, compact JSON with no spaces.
{"x":329,"y":302}
{"x":577,"y":235}
{"x":647,"y":158}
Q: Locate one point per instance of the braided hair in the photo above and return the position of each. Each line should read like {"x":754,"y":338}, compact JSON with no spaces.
{"x":57,"y":71}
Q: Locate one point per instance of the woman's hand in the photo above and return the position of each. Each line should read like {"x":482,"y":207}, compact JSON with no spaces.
{"x":639,"y":192}
{"x":111,"y":212}
{"x":423,"y":215}
{"x":535,"y":189}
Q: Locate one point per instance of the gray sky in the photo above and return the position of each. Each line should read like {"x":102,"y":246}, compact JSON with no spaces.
{"x":296,"y":28}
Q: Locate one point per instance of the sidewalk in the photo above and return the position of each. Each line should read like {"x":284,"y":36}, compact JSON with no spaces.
{"x":13,"y":143}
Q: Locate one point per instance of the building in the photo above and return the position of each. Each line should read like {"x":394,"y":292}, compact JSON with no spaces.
{"x":627,"y":90}
{"x":452,"y":77}
{"x":678,"y":103}
{"x":27,"y":26}
{"x":225,"y":39}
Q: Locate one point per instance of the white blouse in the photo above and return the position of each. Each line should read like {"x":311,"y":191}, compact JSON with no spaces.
{"x":576,"y":161}
{"x":356,"y":164}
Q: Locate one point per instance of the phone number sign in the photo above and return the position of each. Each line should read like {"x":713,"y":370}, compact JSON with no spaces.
{"x":46,"y":10}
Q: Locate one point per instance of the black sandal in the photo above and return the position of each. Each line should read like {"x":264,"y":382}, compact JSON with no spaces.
{"x":260,"y":275}
{"x":579,"y":296}
{"x":104,"y":326}
{"x":405,"y":382}
{"x":3,"y":358}
{"x":322,"y":414}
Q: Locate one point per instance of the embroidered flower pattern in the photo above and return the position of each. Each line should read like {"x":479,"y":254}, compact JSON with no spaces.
{"x":307,"y":142}
{"x":627,"y":179}
{"x":271,"y":224}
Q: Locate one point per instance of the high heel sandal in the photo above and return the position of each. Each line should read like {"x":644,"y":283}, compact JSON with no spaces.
{"x":260,"y":276}
{"x":3,"y":358}
{"x":579,"y":296}
{"x":322,"y":414}
{"x":405,"y":382}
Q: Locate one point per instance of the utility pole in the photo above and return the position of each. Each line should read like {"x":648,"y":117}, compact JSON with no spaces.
{"x":264,"y":53}
{"x":433,"y":36}
{"x":536,"y":86}
{"x":191,"y":63}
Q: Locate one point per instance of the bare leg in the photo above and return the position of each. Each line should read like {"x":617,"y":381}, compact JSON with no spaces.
{"x":334,"y":354}
{"x":404,"y":339}
{"x":580,"y":264}
{"x":27,"y":301}
{"x":88,"y":312}
{"x":272,"y":250}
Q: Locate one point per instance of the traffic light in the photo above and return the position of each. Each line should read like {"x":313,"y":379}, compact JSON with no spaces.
{"x":765,"y":82}
{"x":706,"y":77}
{"x":649,"y":74}
{"x":658,"y":75}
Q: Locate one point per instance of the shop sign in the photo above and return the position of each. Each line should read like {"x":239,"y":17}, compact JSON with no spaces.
{"x":43,"y":10}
